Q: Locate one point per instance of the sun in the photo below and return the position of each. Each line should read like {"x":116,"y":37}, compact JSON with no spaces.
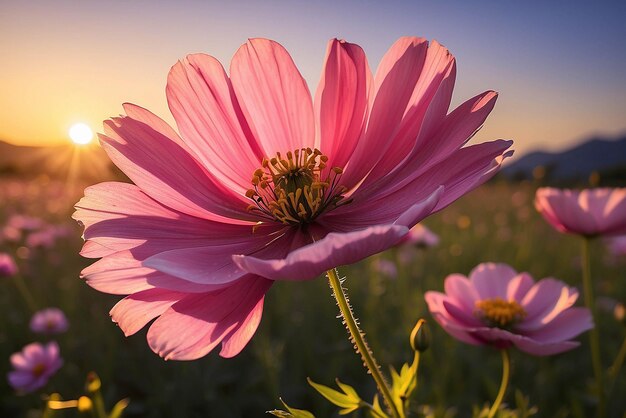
{"x":80,"y":134}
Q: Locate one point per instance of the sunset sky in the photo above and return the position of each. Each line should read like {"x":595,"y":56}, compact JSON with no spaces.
{"x":559,"y":66}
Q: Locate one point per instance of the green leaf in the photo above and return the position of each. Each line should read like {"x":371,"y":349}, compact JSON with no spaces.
{"x":348,"y":400}
{"x":119,"y":408}
{"x":291,"y":412}
{"x":377,"y":411}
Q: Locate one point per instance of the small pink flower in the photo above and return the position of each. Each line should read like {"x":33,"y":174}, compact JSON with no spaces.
{"x":34,"y":365}
{"x":498,"y":306}
{"x":49,"y":321}
{"x":264,"y":183}
{"x":588,"y":212}
{"x":420,"y":236}
{"x":8,"y":268}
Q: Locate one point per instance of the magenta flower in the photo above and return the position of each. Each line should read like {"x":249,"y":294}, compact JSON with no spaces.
{"x":420,"y":236}
{"x":385,"y":267}
{"x":498,"y":306}
{"x":49,"y":321}
{"x":588,"y":212}
{"x":263,"y":183}
{"x":8,"y":268}
{"x":34,"y":365}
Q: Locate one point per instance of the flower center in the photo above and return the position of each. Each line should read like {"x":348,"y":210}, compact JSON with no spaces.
{"x":38,"y":370}
{"x":499,"y":313}
{"x":295,"y":189}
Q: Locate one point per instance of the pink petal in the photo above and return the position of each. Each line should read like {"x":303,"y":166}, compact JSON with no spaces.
{"x":460,"y":289}
{"x":519,"y":286}
{"x":203,"y":103}
{"x":426,"y":108}
{"x":237,"y":340}
{"x":334,"y":250}
{"x":568,"y":324}
{"x":526,"y":344}
{"x":214,"y":264}
{"x":492,"y":280}
{"x":133,"y":312}
{"x":122,"y":274}
{"x":408,"y":214}
{"x":395,"y":78}
{"x":341,"y":103}
{"x":273,"y":96}
{"x":544,"y":301}
{"x":167,"y":172}
{"x":119,"y":216}
{"x":463,"y":171}
{"x":193,"y":327}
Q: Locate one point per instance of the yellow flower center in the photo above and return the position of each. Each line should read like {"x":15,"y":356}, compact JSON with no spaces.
{"x":295,"y":189}
{"x":499,"y":313}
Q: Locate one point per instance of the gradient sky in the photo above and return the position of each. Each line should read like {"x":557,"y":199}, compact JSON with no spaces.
{"x":559,"y":66}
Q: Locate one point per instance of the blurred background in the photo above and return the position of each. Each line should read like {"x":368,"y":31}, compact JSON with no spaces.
{"x":560,"y":69}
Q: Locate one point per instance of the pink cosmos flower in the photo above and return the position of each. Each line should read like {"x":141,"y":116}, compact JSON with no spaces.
{"x":34,"y":365}
{"x":500,"y":307}
{"x":588,"y":212}
{"x":420,"y":236}
{"x":8,"y":268}
{"x":263,"y":183}
{"x":49,"y":321}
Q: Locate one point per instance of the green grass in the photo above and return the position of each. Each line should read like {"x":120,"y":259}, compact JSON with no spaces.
{"x":301,"y":337}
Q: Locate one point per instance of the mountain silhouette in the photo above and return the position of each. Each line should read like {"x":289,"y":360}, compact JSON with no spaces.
{"x":597,"y":155}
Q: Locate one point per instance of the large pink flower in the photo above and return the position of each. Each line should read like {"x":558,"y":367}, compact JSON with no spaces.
{"x":588,"y":212}
{"x":500,"y":307}
{"x":263,"y":183}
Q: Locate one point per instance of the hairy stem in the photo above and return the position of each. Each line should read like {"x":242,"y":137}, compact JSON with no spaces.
{"x":506,"y":372}
{"x":357,"y":337}
{"x":594,"y":334}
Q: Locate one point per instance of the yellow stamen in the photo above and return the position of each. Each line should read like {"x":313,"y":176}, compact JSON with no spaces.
{"x":499,"y":312}
{"x":295,"y":188}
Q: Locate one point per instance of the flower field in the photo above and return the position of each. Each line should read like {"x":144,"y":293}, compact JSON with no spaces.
{"x":299,"y":335}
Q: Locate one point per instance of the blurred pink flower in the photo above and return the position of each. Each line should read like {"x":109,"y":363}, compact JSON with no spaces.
{"x":617,"y":245}
{"x":588,"y":212}
{"x":25,"y":222}
{"x":420,"y":236}
{"x":43,"y":239}
{"x":266,"y":184}
{"x":49,"y":321}
{"x":385,"y":267}
{"x":500,"y":307}
{"x":34,"y":365}
{"x":8,"y":267}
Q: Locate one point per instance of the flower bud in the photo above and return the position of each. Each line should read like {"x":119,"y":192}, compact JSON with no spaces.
{"x":420,"y":336}
{"x":85,"y":404}
{"x":93,"y":383}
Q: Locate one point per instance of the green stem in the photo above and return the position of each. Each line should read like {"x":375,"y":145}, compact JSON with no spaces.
{"x":594,"y":334}
{"x":359,"y":340}
{"x":23,"y":289}
{"x":506,"y":372}
{"x":617,"y":363}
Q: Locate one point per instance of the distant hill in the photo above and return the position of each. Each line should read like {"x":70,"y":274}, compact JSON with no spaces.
{"x":59,"y":161}
{"x":601,"y":155}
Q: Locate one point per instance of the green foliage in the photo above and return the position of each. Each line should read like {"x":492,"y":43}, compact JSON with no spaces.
{"x":349,"y":400}
{"x":291,"y":412}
